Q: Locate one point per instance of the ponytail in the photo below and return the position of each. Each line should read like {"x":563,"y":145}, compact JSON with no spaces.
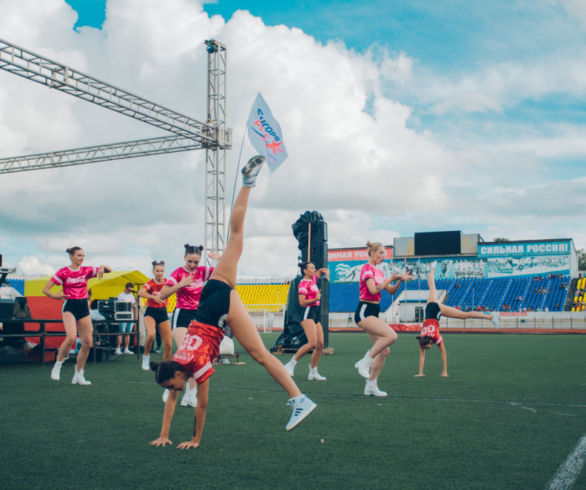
{"x":373,"y":247}
{"x":303,"y":266}
{"x":72,"y":250}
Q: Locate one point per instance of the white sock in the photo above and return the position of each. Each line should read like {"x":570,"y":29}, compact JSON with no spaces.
{"x":293,"y":362}
{"x":146,"y":358}
{"x":58,"y":363}
{"x":297,"y":398}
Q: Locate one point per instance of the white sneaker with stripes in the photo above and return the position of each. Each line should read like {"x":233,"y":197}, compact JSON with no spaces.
{"x":302,"y":407}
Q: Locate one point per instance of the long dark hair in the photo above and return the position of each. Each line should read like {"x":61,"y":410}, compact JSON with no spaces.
{"x":158,"y":262}
{"x":72,"y":250}
{"x":193,"y":249}
{"x":165,"y":370}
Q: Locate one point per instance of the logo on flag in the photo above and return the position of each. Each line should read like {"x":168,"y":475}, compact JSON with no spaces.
{"x":265,"y":133}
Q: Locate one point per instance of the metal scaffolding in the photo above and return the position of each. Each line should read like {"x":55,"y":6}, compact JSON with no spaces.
{"x":215,"y":181}
{"x":187,"y":133}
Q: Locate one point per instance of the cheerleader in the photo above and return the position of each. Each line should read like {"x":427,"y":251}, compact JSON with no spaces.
{"x":155,"y":316}
{"x":187,"y":283}
{"x":382,"y":336}
{"x":221,"y":308}
{"x":309,"y":296}
{"x":76,"y":315}
{"x":430,"y":332}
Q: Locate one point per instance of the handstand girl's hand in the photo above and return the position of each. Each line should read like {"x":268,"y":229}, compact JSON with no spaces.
{"x":188,"y":445}
{"x":161,"y":441}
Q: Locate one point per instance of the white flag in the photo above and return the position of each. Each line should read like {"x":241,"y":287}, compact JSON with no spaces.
{"x":265,"y":133}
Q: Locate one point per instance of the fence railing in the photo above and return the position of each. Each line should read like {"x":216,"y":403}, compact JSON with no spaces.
{"x":267,"y":316}
{"x":98,"y":332}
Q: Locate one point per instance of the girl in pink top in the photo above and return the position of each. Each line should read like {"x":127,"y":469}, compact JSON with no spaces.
{"x":156,"y":315}
{"x":76,"y":314}
{"x":372,"y":282}
{"x":309,"y":296}
{"x":187,"y":283}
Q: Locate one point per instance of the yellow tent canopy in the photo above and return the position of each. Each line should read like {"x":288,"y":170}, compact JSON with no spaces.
{"x":111,"y":285}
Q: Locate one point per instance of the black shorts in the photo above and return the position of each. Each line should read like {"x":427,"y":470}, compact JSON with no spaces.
{"x":78,"y":307}
{"x":158,"y":314}
{"x":311,"y":313}
{"x":182,"y":317}
{"x":365,"y":309}
{"x":214,"y":304}
{"x":432,"y":311}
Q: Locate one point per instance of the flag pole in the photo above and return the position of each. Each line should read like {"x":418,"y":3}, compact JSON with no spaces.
{"x":309,"y":242}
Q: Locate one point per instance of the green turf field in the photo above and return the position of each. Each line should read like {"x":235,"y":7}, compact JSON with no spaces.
{"x":512,"y":411}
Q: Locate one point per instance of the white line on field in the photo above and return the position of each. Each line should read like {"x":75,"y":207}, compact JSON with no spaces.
{"x":570,"y":468}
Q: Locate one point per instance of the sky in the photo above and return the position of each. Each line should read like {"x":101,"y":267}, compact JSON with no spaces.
{"x":398,"y":117}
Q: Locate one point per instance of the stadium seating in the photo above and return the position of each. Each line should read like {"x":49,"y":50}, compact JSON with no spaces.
{"x":267,"y":296}
{"x":579,"y":301}
{"x":521,"y":293}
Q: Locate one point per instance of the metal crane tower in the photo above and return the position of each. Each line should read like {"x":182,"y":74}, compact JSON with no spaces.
{"x":186,"y":133}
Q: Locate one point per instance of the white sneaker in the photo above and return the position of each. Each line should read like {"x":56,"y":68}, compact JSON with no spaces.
{"x":56,"y":372}
{"x":371,"y":389}
{"x":314,"y":375}
{"x":496,"y":319}
{"x":363,"y":366}
{"x":290,"y":367}
{"x":118,"y":352}
{"x":145,"y":363}
{"x":128,"y":351}
{"x":302,"y":407}
{"x":79,"y":379}
{"x":251,"y":169}
{"x":189,"y":398}
{"x":165,"y":395}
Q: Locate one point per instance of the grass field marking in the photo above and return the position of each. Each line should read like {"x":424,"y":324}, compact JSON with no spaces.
{"x":570,"y":468}
{"x":408,"y":397}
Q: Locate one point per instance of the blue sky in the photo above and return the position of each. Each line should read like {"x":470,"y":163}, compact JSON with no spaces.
{"x":463,"y":115}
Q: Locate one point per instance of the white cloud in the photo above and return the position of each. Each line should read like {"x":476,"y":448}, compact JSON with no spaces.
{"x":358,"y":167}
{"x":33,"y":266}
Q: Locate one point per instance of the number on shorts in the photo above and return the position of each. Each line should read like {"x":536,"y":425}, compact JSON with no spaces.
{"x":191,"y":342}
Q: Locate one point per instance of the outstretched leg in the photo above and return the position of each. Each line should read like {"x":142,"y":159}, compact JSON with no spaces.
{"x":451,"y":312}
{"x":227,"y":266}
{"x":432,"y":295}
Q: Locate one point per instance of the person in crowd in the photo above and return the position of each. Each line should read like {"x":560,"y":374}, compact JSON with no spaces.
{"x":125,"y":328}
{"x":382,"y":336}
{"x":76,"y":315}
{"x":309,"y":297}
{"x":155,"y":316}
{"x":220,"y":309}
{"x":430,"y":332}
